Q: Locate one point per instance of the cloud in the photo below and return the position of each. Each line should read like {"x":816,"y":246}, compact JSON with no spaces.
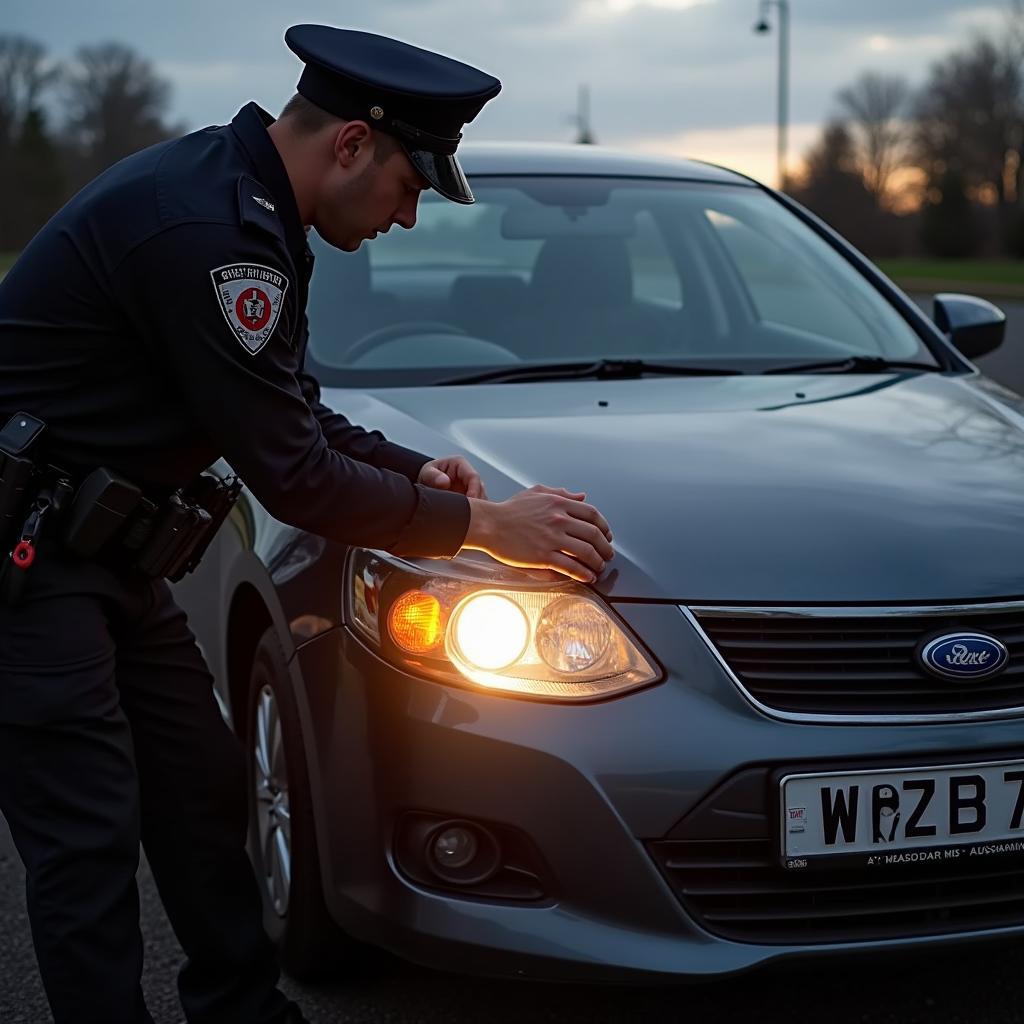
{"x":657,"y":69}
{"x":749,"y":148}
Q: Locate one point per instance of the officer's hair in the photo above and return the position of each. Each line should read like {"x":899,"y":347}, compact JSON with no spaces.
{"x":307,"y":119}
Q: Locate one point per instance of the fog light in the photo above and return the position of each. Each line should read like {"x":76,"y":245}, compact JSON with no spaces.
{"x":461,"y":852}
{"x":455,"y":848}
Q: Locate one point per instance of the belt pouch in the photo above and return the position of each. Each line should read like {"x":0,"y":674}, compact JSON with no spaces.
{"x":100,"y":507}
{"x":217,"y":497}
{"x":176,"y":529}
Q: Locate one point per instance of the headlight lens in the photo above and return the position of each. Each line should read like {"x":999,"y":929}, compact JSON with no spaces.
{"x":484,"y":624}
{"x":573,"y":635}
{"x":488,"y":632}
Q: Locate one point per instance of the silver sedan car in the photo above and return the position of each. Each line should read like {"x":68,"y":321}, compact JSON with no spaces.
{"x":787,"y":719}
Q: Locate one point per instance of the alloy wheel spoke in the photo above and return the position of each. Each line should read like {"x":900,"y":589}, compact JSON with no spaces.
{"x":273,"y":816}
{"x":276,"y":753}
{"x":284,"y":860}
{"x":264,"y":794}
{"x":262,"y":733}
{"x":268,"y":844}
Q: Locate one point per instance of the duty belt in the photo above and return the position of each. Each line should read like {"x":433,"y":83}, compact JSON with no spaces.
{"x":103,"y":517}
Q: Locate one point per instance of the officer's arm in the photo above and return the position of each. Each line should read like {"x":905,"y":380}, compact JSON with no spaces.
{"x":343,"y":436}
{"x":180,"y":290}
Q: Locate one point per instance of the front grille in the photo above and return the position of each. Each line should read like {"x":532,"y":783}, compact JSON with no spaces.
{"x":844,"y":662}
{"x":723,"y":866}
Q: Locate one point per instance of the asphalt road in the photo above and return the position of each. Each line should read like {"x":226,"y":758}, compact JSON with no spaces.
{"x":977,"y":984}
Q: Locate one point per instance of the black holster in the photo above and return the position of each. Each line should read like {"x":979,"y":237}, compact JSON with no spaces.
{"x":112,"y":519}
{"x":104,"y":517}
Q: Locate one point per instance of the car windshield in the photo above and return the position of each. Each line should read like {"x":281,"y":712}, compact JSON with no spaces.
{"x":562,"y":269}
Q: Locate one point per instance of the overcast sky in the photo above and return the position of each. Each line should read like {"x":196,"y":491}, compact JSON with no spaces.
{"x":679,"y":76}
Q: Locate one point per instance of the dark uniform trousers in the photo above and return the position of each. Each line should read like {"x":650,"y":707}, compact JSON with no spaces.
{"x":110,"y":734}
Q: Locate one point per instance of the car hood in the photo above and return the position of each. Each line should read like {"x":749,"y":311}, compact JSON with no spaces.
{"x":779,"y":489}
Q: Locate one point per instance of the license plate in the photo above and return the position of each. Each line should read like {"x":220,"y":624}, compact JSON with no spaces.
{"x":904,"y":815}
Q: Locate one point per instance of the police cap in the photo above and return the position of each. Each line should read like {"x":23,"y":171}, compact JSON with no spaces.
{"x":422,"y":98}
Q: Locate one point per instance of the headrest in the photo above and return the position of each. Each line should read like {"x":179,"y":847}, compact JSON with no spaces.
{"x":583,"y":270}
{"x":488,"y":293}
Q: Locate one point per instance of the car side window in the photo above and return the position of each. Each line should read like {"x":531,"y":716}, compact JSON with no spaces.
{"x":783,"y":287}
{"x":455,"y":238}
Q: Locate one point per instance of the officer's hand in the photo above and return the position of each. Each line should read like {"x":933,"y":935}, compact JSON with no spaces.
{"x":543,"y":528}
{"x":452,"y":474}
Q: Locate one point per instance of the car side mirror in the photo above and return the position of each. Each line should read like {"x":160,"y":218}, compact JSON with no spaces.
{"x":975,"y":326}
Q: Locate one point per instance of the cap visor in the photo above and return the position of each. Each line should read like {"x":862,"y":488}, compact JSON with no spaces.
{"x":443,"y":172}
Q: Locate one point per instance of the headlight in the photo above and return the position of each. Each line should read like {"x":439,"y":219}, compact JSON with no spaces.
{"x":493,"y":627}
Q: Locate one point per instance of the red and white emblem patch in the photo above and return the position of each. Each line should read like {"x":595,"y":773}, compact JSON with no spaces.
{"x":251,"y":297}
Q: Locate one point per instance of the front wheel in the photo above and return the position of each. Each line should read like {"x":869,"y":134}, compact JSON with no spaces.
{"x":282,"y":837}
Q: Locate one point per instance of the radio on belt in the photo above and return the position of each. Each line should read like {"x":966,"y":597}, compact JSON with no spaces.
{"x":16,"y":439}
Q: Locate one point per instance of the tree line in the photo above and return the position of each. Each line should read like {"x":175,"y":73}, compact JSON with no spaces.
{"x":109,"y":102}
{"x":936,"y":170}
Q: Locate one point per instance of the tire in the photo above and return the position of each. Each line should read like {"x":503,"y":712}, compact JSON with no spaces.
{"x":282,"y":837}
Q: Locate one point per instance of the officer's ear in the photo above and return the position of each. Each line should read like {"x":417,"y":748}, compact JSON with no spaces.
{"x":351,"y":141}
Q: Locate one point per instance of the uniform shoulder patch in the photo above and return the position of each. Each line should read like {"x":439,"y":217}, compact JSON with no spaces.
{"x":251,"y":297}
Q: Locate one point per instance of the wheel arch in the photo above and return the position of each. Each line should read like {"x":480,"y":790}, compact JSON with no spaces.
{"x":248,"y":619}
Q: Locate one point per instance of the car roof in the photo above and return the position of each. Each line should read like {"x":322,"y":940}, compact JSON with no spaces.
{"x":560,"y":158}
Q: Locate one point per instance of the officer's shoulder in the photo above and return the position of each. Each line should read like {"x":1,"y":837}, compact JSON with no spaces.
{"x":201,"y":180}
{"x":257,"y":209}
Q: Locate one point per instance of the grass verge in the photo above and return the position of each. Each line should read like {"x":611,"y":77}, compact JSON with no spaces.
{"x":997,"y":278}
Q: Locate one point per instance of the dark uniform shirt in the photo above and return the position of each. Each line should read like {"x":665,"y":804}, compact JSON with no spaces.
{"x":157,"y":322}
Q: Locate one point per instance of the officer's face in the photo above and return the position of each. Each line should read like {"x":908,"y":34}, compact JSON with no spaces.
{"x":368,"y":194}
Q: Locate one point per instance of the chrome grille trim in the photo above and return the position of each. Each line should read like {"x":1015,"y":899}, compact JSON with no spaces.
{"x":690,"y":612}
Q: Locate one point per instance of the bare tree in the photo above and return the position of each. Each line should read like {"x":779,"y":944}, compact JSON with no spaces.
{"x":116,"y":105}
{"x":30,"y":177}
{"x":1015,"y":26}
{"x":968,"y":117}
{"x":25,"y":74}
{"x":875,"y":104}
{"x":833,"y":187}
{"x":1015,"y":49}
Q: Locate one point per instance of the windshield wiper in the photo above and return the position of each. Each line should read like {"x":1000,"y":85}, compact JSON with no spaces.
{"x":601,"y":369}
{"x":854,"y":364}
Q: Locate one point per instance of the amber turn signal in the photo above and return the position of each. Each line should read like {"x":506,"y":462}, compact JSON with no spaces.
{"x":414,"y":622}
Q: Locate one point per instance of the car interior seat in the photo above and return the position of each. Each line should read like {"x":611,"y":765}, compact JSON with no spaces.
{"x":485,"y":304}
{"x":343,"y":307}
{"x":580,"y":302}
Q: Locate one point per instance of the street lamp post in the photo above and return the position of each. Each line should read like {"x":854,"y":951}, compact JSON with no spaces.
{"x":783,"y":104}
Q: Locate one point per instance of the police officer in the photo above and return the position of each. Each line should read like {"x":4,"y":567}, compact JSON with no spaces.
{"x":155,"y":324}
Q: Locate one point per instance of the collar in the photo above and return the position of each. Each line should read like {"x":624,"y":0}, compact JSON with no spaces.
{"x":250,"y":125}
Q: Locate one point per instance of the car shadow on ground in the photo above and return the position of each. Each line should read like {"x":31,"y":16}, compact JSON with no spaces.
{"x":976,"y":982}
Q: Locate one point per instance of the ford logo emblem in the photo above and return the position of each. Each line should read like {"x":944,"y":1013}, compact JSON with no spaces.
{"x":964,"y":656}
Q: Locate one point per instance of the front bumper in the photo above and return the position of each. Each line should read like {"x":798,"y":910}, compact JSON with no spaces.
{"x":594,"y":787}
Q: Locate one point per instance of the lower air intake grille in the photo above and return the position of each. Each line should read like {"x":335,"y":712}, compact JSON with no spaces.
{"x":722,"y":863}
{"x":736,"y":889}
